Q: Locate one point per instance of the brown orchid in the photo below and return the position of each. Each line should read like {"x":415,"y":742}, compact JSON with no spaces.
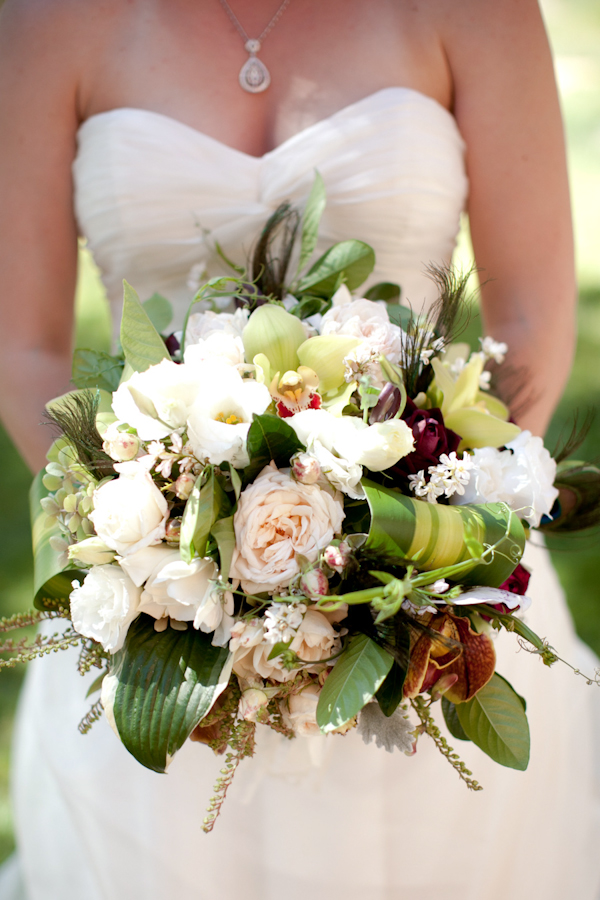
{"x":458,"y":663}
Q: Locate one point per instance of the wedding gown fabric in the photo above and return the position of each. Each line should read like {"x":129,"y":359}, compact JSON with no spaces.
{"x":308,"y":818}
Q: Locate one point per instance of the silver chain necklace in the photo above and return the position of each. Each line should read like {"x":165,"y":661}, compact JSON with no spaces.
{"x":254,"y":75}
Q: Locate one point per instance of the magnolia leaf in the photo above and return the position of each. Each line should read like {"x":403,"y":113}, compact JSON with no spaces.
{"x":142,"y":344}
{"x":389,"y":696}
{"x":350,"y":262}
{"x":206,"y":504}
{"x":452,"y":721}
{"x":224,"y":535}
{"x":400,"y":315}
{"x":310,"y":221}
{"x":269,"y":438}
{"x":160,"y":312}
{"x":52,"y":579}
{"x":163,"y":685}
{"x":356,"y":677}
{"x":93,"y":368}
{"x":309,"y":306}
{"x":495,"y":720}
{"x":384,"y":290}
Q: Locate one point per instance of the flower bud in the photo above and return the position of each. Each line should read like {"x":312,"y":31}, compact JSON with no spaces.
{"x":251,"y":702}
{"x":306,"y":469}
{"x":184,"y":485}
{"x":337,"y":558}
{"x":120,"y":445}
{"x":173,"y":530}
{"x":91,"y":552}
{"x":314,"y":583}
{"x":276,"y":333}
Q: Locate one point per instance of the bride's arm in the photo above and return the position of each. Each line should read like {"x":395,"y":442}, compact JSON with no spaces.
{"x":38,"y":238}
{"x":507,"y":110}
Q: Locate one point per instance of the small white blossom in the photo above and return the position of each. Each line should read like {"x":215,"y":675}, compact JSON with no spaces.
{"x":457,"y":366}
{"x":484,"y":381}
{"x":282,"y":621}
{"x":439,"y":586}
{"x":452,"y":473}
{"x":492,"y":349}
{"x":429,"y":490}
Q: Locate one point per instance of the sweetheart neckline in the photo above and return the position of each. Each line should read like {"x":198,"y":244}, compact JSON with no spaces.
{"x":345,"y":110}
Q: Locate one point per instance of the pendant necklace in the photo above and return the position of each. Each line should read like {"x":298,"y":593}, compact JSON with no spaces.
{"x":254,"y":75}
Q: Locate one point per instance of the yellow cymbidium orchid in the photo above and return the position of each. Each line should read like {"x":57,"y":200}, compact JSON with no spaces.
{"x":481,"y":420}
{"x":325,"y":355}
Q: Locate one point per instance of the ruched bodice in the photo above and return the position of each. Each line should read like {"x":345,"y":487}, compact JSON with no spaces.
{"x":153,"y":196}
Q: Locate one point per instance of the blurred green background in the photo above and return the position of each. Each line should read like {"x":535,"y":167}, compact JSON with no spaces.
{"x":574,"y":27}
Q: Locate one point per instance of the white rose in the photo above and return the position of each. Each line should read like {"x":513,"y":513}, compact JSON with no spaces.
{"x":202,"y":325}
{"x":220,"y":419}
{"x":219,"y":344}
{"x":315,"y":638}
{"x":369,"y":321}
{"x":105,"y":605}
{"x":157,"y":401}
{"x":299,"y":712}
{"x":277,"y":519}
{"x":129,"y":513}
{"x":172,"y":587}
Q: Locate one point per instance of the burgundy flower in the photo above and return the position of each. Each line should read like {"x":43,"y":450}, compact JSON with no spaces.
{"x":517,"y":583}
{"x":432,"y":438}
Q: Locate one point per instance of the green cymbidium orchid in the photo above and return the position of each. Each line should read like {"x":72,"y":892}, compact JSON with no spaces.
{"x":325,"y":355}
{"x":277,"y":335}
{"x":480,"y":420}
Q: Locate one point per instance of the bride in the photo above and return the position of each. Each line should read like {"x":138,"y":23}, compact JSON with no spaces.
{"x":126,"y":120}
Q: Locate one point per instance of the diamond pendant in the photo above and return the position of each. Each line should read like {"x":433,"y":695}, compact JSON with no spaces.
{"x":254,"y":75}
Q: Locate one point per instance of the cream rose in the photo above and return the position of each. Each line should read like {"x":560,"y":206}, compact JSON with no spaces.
{"x":105,"y":605}
{"x":130,"y":512}
{"x":315,"y":638}
{"x":299,"y":712}
{"x":277,"y":518}
{"x":251,"y":654}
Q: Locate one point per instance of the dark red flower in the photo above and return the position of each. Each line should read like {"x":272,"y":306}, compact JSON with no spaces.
{"x":517,"y":583}
{"x":432,"y":438}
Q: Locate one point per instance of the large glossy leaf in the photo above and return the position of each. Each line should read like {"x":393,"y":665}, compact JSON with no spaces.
{"x":160,"y":312}
{"x":142,"y":344}
{"x":207,"y":503}
{"x":51,"y":578}
{"x":389,"y":695}
{"x":495,"y":720}
{"x":452,"y":721}
{"x":160,"y":686}
{"x":384,"y":290}
{"x":310,"y":220}
{"x":355,"y":679}
{"x":93,"y":368}
{"x":349,"y":261}
{"x":269,"y":438}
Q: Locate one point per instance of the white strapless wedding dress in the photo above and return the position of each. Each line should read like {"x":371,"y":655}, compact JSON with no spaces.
{"x":303,"y":819}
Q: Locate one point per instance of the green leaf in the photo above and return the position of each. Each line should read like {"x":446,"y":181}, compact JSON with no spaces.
{"x":93,"y":368}
{"x":355,"y":679}
{"x":452,"y":721}
{"x":162,"y":685}
{"x":384,"y":290}
{"x":95,"y":685}
{"x":495,"y":720}
{"x":224,"y":535}
{"x":51,"y":578}
{"x":389,"y":695}
{"x":269,"y":438}
{"x":207,"y":503}
{"x":309,"y":306}
{"x":349,"y":261}
{"x":160,"y":312}
{"x":310,"y":220}
{"x":142,"y":344}
{"x":400,"y":315}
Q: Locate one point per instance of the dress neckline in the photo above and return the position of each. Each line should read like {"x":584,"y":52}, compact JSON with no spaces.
{"x":346,"y":111}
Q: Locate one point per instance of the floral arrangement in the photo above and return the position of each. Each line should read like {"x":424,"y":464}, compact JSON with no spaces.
{"x":306,"y":511}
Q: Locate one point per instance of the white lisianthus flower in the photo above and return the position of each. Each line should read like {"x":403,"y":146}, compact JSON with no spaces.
{"x":172,"y":587}
{"x":341,"y":474}
{"x":129,"y":513}
{"x":368,"y":320}
{"x":219,"y":344}
{"x":299,"y":711}
{"x":105,"y":605}
{"x":91,"y":552}
{"x":215,"y":615}
{"x":157,"y":401}
{"x":220,"y":418}
{"x":278,"y":519}
{"x":521,"y":476}
{"x":202,"y":325}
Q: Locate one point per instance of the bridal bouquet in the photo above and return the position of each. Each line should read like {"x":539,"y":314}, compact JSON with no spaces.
{"x":306,"y":511}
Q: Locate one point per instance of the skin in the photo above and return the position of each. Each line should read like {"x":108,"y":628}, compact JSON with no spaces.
{"x":487,"y":61}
